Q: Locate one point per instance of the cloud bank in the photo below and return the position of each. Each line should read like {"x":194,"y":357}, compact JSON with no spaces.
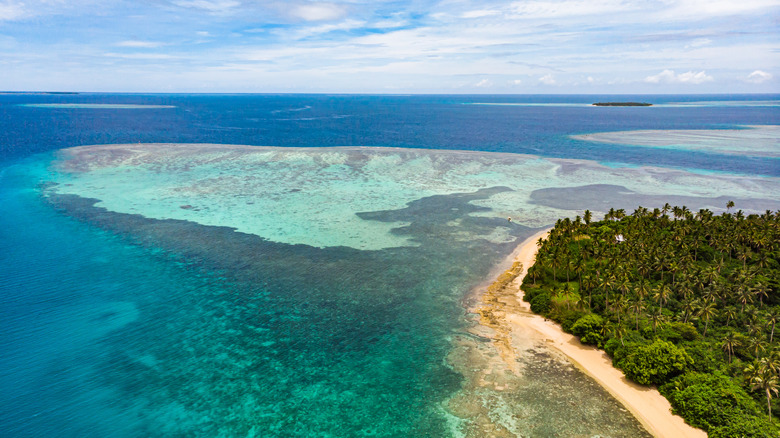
{"x":669,"y":77}
{"x":567,"y":46}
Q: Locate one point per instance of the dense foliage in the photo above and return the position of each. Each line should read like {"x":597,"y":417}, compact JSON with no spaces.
{"x":686,"y":301}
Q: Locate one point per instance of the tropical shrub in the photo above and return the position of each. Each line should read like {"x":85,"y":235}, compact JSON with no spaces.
{"x":569,"y":317}
{"x":589,"y":329}
{"x":709,"y":400}
{"x":655,"y":363}
{"x":541,"y":303}
{"x":745,"y":427}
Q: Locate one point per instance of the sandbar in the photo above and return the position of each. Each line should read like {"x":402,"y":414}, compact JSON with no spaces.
{"x":754,"y":141}
{"x":645,"y":403}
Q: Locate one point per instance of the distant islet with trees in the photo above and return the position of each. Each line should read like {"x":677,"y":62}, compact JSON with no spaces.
{"x":684,"y":301}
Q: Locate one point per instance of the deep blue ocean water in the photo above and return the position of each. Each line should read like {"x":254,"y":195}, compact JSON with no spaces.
{"x":104,"y":332}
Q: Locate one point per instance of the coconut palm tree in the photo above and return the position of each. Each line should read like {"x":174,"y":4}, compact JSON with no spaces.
{"x":579,"y":267}
{"x":643,"y":289}
{"x":730,"y":341}
{"x":606,"y":284}
{"x":760,"y":376}
{"x":619,"y":330}
{"x":637,"y":307}
{"x":661,"y":294}
{"x":706,"y":312}
{"x":761,"y":290}
{"x":756,"y":345}
{"x":744,"y":294}
{"x":657,"y":317}
{"x":731,"y":313}
{"x":689,"y":307}
{"x":772,"y":317}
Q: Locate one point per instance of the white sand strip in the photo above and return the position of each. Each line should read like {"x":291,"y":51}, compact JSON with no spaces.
{"x":645,"y":403}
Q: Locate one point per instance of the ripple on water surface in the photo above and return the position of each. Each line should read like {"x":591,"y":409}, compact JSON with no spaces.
{"x":319,"y":292}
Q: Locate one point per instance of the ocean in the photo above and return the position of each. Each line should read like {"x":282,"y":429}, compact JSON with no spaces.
{"x":307,"y":265}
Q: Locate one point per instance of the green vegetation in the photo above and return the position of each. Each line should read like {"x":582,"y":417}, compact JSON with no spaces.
{"x":685,"y":301}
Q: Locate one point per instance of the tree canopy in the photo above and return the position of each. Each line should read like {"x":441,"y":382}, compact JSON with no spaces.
{"x":674,"y":296}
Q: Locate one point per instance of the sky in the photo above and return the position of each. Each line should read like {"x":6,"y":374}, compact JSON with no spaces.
{"x":391,"y":46}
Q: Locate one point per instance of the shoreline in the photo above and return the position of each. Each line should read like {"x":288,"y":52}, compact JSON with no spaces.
{"x":646,"y":404}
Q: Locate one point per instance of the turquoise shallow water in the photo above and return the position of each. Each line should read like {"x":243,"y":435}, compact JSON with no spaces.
{"x":756,"y":141}
{"x":213,"y":291}
{"x":207,"y":315}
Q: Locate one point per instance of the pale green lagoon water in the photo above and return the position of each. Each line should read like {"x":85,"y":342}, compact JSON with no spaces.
{"x":326,"y":291}
{"x":312,"y":196}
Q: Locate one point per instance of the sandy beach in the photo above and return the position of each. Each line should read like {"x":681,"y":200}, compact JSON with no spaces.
{"x":645,"y":403}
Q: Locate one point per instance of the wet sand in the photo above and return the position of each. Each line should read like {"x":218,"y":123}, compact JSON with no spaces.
{"x":645,"y":403}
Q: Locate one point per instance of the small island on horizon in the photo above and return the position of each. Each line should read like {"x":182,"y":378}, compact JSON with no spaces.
{"x":622,"y":104}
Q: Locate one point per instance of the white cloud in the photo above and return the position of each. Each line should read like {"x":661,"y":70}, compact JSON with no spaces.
{"x":389,"y":24}
{"x":568,"y":8}
{"x":214,"y":6}
{"x":484,"y":83}
{"x":758,"y":77}
{"x":708,"y":8}
{"x":139,"y":44}
{"x":306,"y":32}
{"x":318,"y":11}
{"x":480,"y":13}
{"x":670,"y":77}
{"x":12,"y":11}
{"x":699,"y":42}
{"x":138,"y":55}
{"x":547,"y":80}
{"x":516,"y":82}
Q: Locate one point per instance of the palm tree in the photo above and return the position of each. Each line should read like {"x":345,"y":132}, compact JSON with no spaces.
{"x":619,"y":331}
{"x":743,"y":254}
{"x":711,"y":274}
{"x":689,"y":306}
{"x":756,"y":345}
{"x":731,"y":313}
{"x":555,"y":260}
{"x":643,"y":290}
{"x":744,"y":294}
{"x":657,"y":316}
{"x":581,"y":302}
{"x":620,"y":305}
{"x":771,"y":318}
{"x":761,"y":289}
{"x":579,"y":267}
{"x":662,"y":294}
{"x":607,"y":283}
{"x":773,"y":361}
{"x":760,"y":376}
{"x":637,"y":306}
{"x":623,"y":284}
{"x":706,"y":312}
{"x":730,"y":341}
